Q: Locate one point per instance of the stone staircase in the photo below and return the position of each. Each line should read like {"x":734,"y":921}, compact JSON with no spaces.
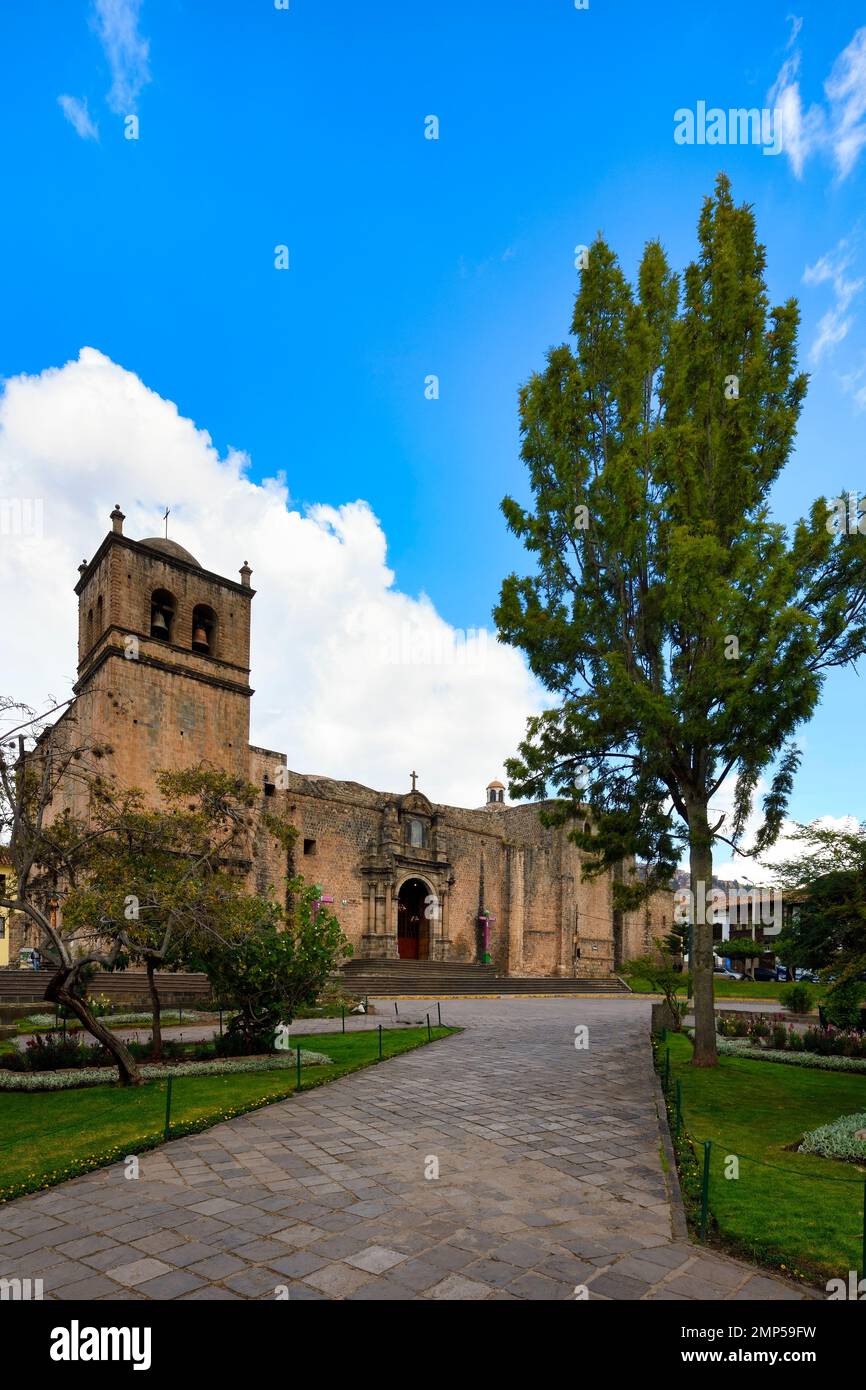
{"x":387,"y":978}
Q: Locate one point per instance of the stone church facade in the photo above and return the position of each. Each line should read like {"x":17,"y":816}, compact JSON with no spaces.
{"x":164,"y":682}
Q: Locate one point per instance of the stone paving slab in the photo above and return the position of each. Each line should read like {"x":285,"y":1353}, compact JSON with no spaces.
{"x":501,"y":1163}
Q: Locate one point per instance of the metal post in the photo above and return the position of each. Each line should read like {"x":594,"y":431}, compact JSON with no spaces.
{"x":380,"y":1042}
{"x":705,"y":1189}
{"x":429,"y":1034}
{"x":396,"y":1010}
{"x":168,"y":1106}
{"x":439,"y":1007}
{"x":298,"y":1055}
{"x":343,"y":1016}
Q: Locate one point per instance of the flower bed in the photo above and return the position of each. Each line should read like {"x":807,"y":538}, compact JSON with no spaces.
{"x":168,"y":1018}
{"x":744,"y":1048}
{"x":100,"y":1076}
{"x":771,"y":1033}
{"x":837,"y":1140}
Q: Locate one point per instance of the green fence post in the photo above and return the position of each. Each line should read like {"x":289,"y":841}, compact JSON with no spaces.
{"x":705,"y":1189}
{"x":168,"y":1107}
{"x":343,"y":1016}
{"x":678,"y":1113}
{"x":298,"y":1054}
{"x":666,"y":1082}
{"x":380,"y":1042}
{"x":429,"y":1034}
{"x":439,"y":1007}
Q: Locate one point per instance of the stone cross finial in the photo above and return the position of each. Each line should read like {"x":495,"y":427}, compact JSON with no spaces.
{"x":414,"y":776}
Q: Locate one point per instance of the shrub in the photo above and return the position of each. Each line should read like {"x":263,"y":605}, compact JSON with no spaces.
{"x":842,"y":1005}
{"x":780,"y":1036}
{"x":797,"y":998}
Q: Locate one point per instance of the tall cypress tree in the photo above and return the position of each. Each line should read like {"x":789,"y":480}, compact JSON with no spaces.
{"x":683,"y":634}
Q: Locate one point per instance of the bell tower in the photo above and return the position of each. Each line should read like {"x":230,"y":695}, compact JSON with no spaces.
{"x":163,"y":659}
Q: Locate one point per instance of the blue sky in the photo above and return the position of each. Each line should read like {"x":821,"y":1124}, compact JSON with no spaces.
{"x":409,"y":256}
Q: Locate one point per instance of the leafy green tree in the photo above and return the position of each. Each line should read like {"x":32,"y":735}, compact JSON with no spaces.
{"x":825,"y":887}
{"x":50,"y":854}
{"x":663,"y":974}
{"x":683,"y":635}
{"x":265,"y":969}
{"x":162,"y":878}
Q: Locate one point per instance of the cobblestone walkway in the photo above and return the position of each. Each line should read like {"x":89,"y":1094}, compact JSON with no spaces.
{"x":549,"y":1178}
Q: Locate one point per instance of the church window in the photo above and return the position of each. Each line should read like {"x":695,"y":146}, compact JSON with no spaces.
{"x":417,"y":834}
{"x":162,"y":613}
{"x":90,"y":627}
{"x":203,"y":629}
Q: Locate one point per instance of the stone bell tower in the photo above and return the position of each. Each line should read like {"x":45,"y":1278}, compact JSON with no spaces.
{"x":163,"y":659}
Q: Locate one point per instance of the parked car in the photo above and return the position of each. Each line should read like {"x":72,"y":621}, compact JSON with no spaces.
{"x":727,"y":974}
{"x":782,"y":973}
{"x":763,"y":973}
{"x":806,"y":976}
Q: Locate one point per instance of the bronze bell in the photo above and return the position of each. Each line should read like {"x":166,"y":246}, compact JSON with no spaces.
{"x":158,"y":625}
{"x":200,"y":639}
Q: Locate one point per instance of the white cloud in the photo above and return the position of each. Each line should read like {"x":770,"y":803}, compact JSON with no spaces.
{"x":838,"y":127}
{"x":846,"y":90}
{"x":854,"y":383}
{"x":354,"y":679}
{"x":796,"y":23}
{"x":800,"y":129}
{"x":127,"y":51}
{"x":78,"y":116}
{"x":786,"y":847}
{"x":836,"y":323}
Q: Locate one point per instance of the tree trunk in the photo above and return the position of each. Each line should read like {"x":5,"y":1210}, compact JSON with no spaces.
{"x":701,"y":959}
{"x":59,"y":993}
{"x":156,"y":1027}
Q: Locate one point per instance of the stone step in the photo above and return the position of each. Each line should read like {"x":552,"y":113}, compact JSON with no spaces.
{"x":389,"y":978}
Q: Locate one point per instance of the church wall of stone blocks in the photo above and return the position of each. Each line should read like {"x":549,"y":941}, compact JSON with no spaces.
{"x":163,"y":682}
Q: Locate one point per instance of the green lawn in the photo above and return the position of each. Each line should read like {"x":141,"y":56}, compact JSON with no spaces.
{"x":802,"y":1213}
{"x":47,"y":1136}
{"x":740,"y":989}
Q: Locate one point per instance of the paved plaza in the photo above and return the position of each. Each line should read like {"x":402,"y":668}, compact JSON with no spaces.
{"x":549,"y":1181}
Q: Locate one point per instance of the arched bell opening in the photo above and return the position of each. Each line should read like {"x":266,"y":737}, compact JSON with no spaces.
{"x":204,"y":624}
{"x":163,"y":608}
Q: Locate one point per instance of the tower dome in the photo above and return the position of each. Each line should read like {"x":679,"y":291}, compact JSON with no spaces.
{"x":171,"y":548}
{"x":495,"y":793}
